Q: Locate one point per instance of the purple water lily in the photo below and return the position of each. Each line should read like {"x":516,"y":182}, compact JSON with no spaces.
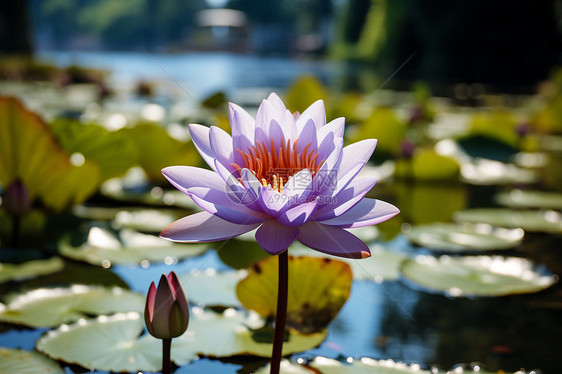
{"x":288,"y":175}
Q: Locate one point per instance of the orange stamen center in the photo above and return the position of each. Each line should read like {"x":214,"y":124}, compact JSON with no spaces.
{"x":273,"y":167}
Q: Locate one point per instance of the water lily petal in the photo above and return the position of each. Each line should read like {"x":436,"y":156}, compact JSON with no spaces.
{"x":272,"y":202}
{"x":225,"y":206}
{"x":200,"y":138}
{"x":366,"y":212}
{"x":203,"y":227}
{"x":325,"y":180}
{"x":221,"y":145}
{"x":274,"y":237}
{"x":298,"y":215}
{"x":333,"y":206}
{"x":186,"y":177}
{"x":298,"y":187}
{"x":243,"y":127}
{"x":332,"y":240}
{"x":353,"y":158}
{"x":307,"y":136}
{"x":315,"y":112}
{"x":335,"y":127}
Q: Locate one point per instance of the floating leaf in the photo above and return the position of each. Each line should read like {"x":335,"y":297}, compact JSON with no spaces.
{"x":286,"y":367}
{"x":382,"y":123}
{"x":29,"y":151}
{"x":498,"y":125}
{"x":210,"y":288}
{"x":427,"y":165}
{"x":489,"y":172}
{"x":111,"y":151}
{"x":318,"y":288}
{"x":25,"y":362}
{"x":232,"y":333}
{"x":146,"y":220}
{"x":364,"y":366}
{"x":537,"y":221}
{"x":382,"y":265}
{"x":47,"y":307}
{"x":453,"y":237}
{"x":30,"y":269}
{"x":304,"y":91}
{"x":157,"y":149}
{"x":106,"y":343}
{"x":530,"y":199}
{"x":115,"y":189}
{"x":129,"y":247}
{"x":476,"y":275}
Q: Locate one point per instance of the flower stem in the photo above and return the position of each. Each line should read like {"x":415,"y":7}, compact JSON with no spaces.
{"x":281,"y":315}
{"x":166,"y":348}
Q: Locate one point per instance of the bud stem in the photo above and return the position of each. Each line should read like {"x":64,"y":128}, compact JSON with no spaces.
{"x":281,"y":315}
{"x":166,"y":348}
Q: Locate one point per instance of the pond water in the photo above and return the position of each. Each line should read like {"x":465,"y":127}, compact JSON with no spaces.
{"x":384,"y":318}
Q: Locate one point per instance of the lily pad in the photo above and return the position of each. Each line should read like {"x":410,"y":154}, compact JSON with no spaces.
{"x":286,"y":367}
{"x":117,"y":190}
{"x":382,"y":123}
{"x":106,"y":343}
{"x":364,"y":366}
{"x":304,"y":91}
{"x":30,"y":269}
{"x":318,"y":288}
{"x":105,"y":248}
{"x":25,"y":362}
{"x":486,"y":172}
{"x":47,"y":307}
{"x":548,"y":221}
{"x":234,"y":333}
{"x":29,"y":151}
{"x":146,"y":220}
{"x":209,"y":288}
{"x":383,"y":265}
{"x":530,"y":199}
{"x":428,"y":165}
{"x":476,"y":275}
{"x":451,"y":237}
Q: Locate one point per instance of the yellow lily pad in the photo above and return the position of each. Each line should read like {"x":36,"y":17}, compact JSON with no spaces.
{"x":318,"y":288}
{"x":29,"y":151}
{"x":304,"y":91}
{"x":428,"y":165}
{"x":382,"y":123}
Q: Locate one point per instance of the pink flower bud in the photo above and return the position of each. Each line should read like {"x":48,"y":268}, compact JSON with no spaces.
{"x":166,"y":312}
{"x":16,"y":198}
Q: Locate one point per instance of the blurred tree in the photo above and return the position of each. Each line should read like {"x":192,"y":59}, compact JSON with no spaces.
{"x":14,"y":27}
{"x":510,"y":44}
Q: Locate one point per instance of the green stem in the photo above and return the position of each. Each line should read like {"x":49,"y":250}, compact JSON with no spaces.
{"x":281,"y":315}
{"x":166,"y":348}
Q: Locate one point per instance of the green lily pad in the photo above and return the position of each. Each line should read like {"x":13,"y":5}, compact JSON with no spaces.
{"x":318,"y":288}
{"x":304,"y":91}
{"x":30,"y":269}
{"x":232,"y":333}
{"x":530,"y":199}
{"x":383,"y":265}
{"x":548,"y":221}
{"x":209,"y":288}
{"x":157,"y":149}
{"x":364,"y":366}
{"x":428,"y":165}
{"x":25,"y":362}
{"x":382,"y":123}
{"x":128,"y":247}
{"x":111,"y":151}
{"x":486,"y":172}
{"x":106,"y":343}
{"x":47,"y":307}
{"x":451,"y":237}
{"x":476,"y":275}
